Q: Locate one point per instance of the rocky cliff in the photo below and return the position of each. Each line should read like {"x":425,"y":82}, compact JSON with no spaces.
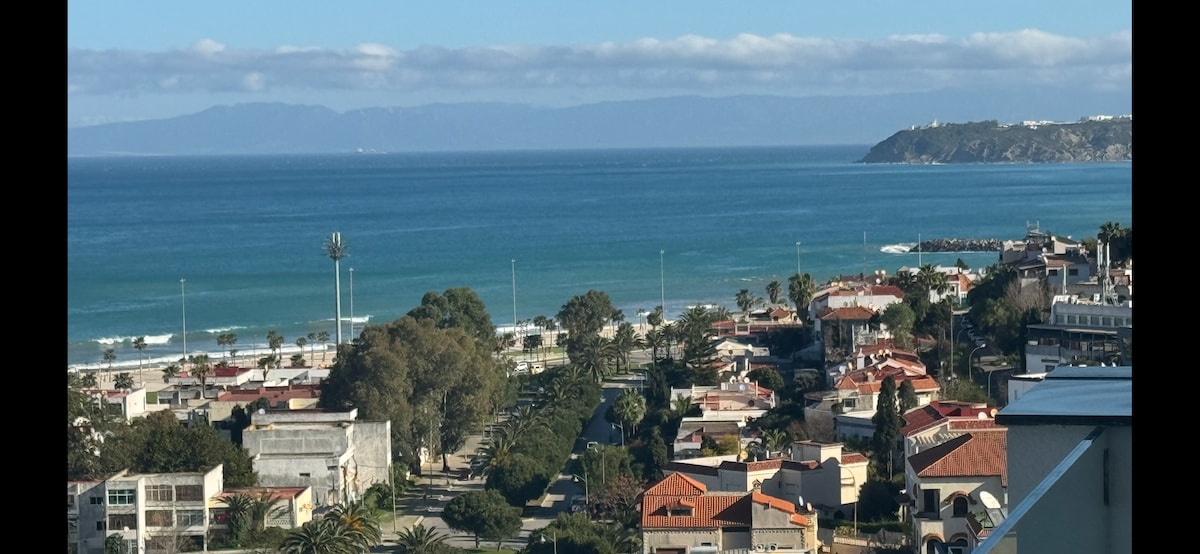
{"x":992,"y":142}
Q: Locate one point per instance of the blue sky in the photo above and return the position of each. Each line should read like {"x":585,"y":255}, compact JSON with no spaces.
{"x":136,"y":59}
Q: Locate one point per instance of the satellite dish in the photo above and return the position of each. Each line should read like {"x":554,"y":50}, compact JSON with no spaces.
{"x":745,"y":379}
{"x":261,"y":411}
{"x":983,"y":415}
{"x":988,"y":500}
{"x":742,"y":387}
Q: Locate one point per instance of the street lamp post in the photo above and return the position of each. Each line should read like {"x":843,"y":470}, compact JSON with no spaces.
{"x":352,"y":304}
{"x":797,"y":257}
{"x":514,"y":287}
{"x":972,"y":355}
{"x":853,"y":483}
{"x":183,"y":303}
{"x":618,"y":426}
{"x":578,"y":479}
{"x":662,"y":283}
{"x":552,"y":539}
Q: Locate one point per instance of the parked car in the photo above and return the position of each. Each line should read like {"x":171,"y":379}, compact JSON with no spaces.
{"x":592,"y":445}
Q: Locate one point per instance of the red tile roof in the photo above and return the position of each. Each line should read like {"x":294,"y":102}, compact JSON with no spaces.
{"x":676,"y":484}
{"x":936,"y":412}
{"x":982,"y":453}
{"x":854,"y":458}
{"x":706,"y":510}
{"x":849,"y":313}
{"x":273,"y":395}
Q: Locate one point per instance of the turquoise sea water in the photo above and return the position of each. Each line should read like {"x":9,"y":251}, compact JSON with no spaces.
{"x":247,"y":232}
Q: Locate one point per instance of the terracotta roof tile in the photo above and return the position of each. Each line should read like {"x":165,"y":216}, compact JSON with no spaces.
{"x":676,"y":484}
{"x":983,"y":453}
{"x":849,"y":313}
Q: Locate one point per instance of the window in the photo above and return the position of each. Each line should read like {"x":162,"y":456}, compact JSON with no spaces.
{"x":1073,"y":271}
{"x":931,"y":501}
{"x":189,"y":493}
{"x":100,"y":525}
{"x":158,"y":518}
{"x":850,"y":403}
{"x":95,"y":500}
{"x":70,"y":501}
{"x":960,"y":507}
{"x":306,"y":475}
{"x":122,"y":521}
{"x":121,"y":497}
{"x":160,"y":493}
{"x":188,"y":518}
{"x":1053,"y":272}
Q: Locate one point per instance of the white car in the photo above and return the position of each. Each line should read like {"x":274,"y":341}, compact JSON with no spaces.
{"x":592,"y":445}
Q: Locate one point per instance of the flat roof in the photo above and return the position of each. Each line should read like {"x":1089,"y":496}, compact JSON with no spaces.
{"x":1070,"y":395}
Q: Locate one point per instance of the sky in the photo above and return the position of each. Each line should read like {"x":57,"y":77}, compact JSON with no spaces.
{"x":139,"y":59}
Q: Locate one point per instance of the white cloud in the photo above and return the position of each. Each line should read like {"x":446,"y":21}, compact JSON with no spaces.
{"x":797,"y":65}
{"x":208,"y":47}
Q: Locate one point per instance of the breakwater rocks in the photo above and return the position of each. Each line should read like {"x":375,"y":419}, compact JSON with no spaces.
{"x":957,"y":245}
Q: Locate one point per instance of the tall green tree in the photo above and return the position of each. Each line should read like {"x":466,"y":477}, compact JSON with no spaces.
{"x":518,"y":479}
{"x":420,"y":539}
{"x":484,"y":514}
{"x":110,"y":356}
{"x":360,"y":525}
{"x":801,"y":289}
{"x":275,"y":343}
{"x":626,"y":340}
{"x":457,"y":308}
{"x":597,"y":356}
{"x":140,"y":345}
{"x":226,"y":341}
{"x":629,"y":408}
{"x":318,"y":536}
{"x":899,"y":319}
{"x":428,"y":381}
{"x":584,"y":316}
{"x":907,"y":396}
{"x":887,"y":422}
{"x":773,"y":291}
{"x":124,"y":381}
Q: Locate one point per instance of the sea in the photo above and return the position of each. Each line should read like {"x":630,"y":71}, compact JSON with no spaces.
{"x":173,"y":247}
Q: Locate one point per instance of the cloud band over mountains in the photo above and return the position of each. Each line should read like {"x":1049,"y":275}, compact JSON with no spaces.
{"x":784,"y":63}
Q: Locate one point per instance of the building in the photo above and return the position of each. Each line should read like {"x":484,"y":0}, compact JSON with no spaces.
{"x":1070,"y":460}
{"x":959,"y":490}
{"x":150,"y":512}
{"x":935,"y":423}
{"x":333,"y":452}
{"x":852,"y":402}
{"x":819,"y":473}
{"x":293,"y":507}
{"x":681,"y":516}
{"x":1078,"y":331}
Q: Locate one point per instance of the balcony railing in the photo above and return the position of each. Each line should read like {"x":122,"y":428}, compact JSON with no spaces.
{"x":1063,"y":513}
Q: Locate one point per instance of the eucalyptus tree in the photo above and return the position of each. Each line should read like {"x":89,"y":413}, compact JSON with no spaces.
{"x":139,"y":344}
{"x":801,"y":289}
{"x":584,"y":316}
{"x":422,"y":378}
{"x":459,"y":308}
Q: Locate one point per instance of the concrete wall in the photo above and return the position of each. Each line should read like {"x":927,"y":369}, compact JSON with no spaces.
{"x":372,"y":452}
{"x":652,"y":539}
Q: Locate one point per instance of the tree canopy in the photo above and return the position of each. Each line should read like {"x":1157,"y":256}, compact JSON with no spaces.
{"x":427,"y":380}
{"x":457,"y":308}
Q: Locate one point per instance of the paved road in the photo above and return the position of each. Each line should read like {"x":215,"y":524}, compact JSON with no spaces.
{"x":425,"y":501}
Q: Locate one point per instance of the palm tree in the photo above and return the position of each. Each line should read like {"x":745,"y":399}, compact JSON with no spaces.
{"x":300,"y":343}
{"x":775,"y":440}
{"x":655,"y":341}
{"x":596,"y":356}
{"x":420,"y":540}
{"x":323,"y":337}
{"x":360,"y":524}
{"x":110,"y":355}
{"x":124,"y":381}
{"x":630,"y":408}
{"x":801,"y":289}
{"x":773,"y":290}
{"x":524,"y":420}
{"x":745,"y":300}
{"x":275,"y":343}
{"x":319,"y":536}
{"x":335,"y":248}
{"x":170,"y":372}
{"x":227,"y":340}
{"x":626,"y":340}
{"x":139,"y":344}
{"x":312,"y":341}
{"x":681,"y":404}
{"x":201,"y":368}
{"x":498,"y":448}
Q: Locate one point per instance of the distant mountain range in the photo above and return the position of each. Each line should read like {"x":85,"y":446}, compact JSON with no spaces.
{"x":1105,"y":140}
{"x":684,"y":121}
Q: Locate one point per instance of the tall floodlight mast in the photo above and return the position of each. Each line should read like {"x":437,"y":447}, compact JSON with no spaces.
{"x":335,"y":248}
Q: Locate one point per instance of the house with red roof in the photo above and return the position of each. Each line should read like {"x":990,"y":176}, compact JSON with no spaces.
{"x":852,"y":402}
{"x":682,"y":516}
{"x":939,"y":421}
{"x":958,"y":490}
{"x":820,"y":473}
